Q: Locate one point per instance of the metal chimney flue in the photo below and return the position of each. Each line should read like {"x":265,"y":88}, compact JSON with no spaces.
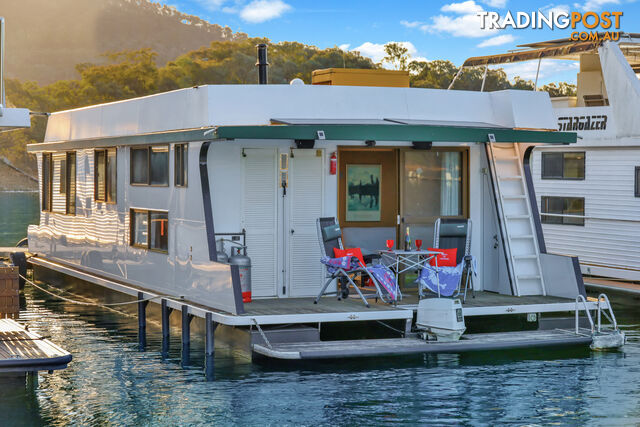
{"x":262,"y":64}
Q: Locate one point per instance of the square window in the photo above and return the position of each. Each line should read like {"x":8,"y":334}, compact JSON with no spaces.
{"x":150,"y":230}
{"x":159,"y":231}
{"x":562,"y":210}
{"x":567,"y":165}
{"x":140,"y":228}
{"x":139,"y":165}
{"x":159,"y":165}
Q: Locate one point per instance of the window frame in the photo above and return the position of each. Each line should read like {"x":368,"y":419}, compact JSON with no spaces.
{"x":637,"y":182}
{"x":565,"y":199}
{"x":563,"y":153}
{"x":107,"y":199}
{"x":184,"y":148}
{"x":147,"y":247}
{"x":67,"y":188}
{"x":149,"y":149}
{"x":47,"y":182}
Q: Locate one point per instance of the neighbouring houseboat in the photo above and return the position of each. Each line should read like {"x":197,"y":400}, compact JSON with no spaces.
{"x":148,"y":197}
{"x":589,"y":192}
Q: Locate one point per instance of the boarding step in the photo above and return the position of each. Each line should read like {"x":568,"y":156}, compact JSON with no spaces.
{"x":510,"y":178}
{"x":406,"y":346}
{"x":530,"y":256}
{"x":518,"y":217}
{"x":528,"y":277}
{"x":522,"y":236}
{"x":514,"y":196}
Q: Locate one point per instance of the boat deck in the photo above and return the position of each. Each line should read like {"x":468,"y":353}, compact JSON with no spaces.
{"x":24,"y":351}
{"x":407,"y":346}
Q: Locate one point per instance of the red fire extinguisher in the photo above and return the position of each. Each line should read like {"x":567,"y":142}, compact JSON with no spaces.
{"x":333,"y":163}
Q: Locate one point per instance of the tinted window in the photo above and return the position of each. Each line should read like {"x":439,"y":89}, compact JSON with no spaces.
{"x":100,"y":175}
{"x":111,"y":175}
{"x":70,"y":183}
{"x":139,"y":165}
{"x":46,"y":182}
{"x":558,"y":210}
{"x":159,"y":231}
{"x":569,"y":165}
{"x":159,"y":165}
{"x":140,"y":228}
{"x":181,"y":161}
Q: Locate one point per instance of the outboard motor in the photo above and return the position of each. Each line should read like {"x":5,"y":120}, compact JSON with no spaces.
{"x":244,"y":266}
{"x":441,"y":318}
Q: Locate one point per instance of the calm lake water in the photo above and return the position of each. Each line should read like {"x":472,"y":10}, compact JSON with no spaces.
{"x":110,"y":382}
{"x":17,"y":211}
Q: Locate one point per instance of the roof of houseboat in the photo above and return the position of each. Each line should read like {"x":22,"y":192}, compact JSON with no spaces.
{"x":299,"y":111}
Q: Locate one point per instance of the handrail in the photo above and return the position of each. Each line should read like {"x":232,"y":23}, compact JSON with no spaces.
{"x":603,"y":297}
{"x":579,"y":299}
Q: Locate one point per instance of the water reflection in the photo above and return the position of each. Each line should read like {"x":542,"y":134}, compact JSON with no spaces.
{"x":111,"y":382}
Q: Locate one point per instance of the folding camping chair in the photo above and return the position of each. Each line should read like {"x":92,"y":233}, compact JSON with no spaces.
{"x":452,"y":233}
{"x":330,"y":237}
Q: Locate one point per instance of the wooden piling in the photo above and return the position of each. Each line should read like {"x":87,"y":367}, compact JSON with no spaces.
{"x":9,"y":291}
{"x":186,"y":336}
{"x":142,"y":322}
{"x":166,"y":333}
{"x":209,"y":348}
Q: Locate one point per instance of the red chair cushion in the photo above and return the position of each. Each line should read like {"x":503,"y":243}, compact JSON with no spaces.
{"x":356,"y":252}
{"x":446,"y":257}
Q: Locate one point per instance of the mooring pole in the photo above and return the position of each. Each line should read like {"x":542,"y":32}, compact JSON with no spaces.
{"x":186,"y":337}
{"x":209,"y":348}
{"x":142,"y":322}
{"x":166,"y":312}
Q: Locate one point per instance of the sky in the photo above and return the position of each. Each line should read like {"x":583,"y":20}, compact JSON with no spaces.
{"x":430,"y":29}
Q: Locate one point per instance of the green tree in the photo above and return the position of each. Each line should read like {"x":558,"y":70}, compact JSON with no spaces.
{"x":396,"y":55}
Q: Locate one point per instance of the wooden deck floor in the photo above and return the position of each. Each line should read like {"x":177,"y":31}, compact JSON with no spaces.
{"x":277,"y":306}
{"x":22,"y":351}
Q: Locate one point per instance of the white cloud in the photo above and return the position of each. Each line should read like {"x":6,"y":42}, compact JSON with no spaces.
{"x":550,"y":70}
{"x":410,"y":24}
{"x":497,"y":40}
{"x":500,"y":4}
{"x":555,"y":8}
{"x":376,"y":52}
{"x":344,"y":46}
{"x":594,"y":4}
{"x":263,"y":10}
{"x":467,"y":24}
{"x":468,"y":7}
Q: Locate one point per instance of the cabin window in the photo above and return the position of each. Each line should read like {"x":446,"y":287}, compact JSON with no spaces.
{"x":568,"y":165}
{"x":47,"y":187}
{"x":105,"y":177}
{"x":562,"y":210}
{"x":637,"y":181}
{"x":150,"y":230}
{"x":69,"y":183}
{"x":63,"y":176}
{"x":150,"y":165}
{"x":181,"y":155}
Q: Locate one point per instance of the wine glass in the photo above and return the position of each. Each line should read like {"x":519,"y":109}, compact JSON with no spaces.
{"x":390,"y":244}
{"x":418,"y":243}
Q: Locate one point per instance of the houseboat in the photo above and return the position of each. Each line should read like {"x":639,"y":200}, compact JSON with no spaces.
{"x":588,"y":193}
{"x":150,"y":196}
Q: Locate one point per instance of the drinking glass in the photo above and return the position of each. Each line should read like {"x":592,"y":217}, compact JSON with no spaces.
{"x":418,"y":243}
{"x":390,"y":243}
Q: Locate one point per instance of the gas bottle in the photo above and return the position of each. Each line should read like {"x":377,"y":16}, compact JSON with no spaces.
{"x":333,"y":163}
{"x":244,"y":266}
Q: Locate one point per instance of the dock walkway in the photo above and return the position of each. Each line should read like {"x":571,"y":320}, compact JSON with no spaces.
{"x":25,"y":351}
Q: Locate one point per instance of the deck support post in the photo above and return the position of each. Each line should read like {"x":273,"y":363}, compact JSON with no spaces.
{"x":166,"y":312}
{"x":209,"y":348}
{"x":407,"y":327}
{"x":186,"y":336}
{"x":142,"y":322}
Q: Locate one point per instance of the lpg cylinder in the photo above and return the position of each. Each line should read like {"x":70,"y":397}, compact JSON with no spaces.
{"x":220,"y":252}
{"x":244,"y":266}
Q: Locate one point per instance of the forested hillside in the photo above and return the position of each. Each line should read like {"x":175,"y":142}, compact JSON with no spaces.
{"x":47,"y":38}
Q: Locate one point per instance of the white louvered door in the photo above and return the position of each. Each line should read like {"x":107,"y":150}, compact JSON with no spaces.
{"x":260,"y":218}
{"x":305,"y":202}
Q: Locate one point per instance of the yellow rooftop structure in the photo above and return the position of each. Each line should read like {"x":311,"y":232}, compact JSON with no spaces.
{"x":360,"y":77}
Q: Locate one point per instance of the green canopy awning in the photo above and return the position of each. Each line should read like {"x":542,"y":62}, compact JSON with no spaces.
{"x":409,"y":132}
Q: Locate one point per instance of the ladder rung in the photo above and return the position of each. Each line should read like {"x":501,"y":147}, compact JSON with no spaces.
{"x":518,"y":196}
{"x":523,"y":236}
{"x":528,"y":277}
{"x":508,"y":158}
{"x":510,"y":178}
{"x":518,"y":216}
{"x":532,"y":256}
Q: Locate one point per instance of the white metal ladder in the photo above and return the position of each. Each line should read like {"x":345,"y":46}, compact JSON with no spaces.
{"x":516,"y":219}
